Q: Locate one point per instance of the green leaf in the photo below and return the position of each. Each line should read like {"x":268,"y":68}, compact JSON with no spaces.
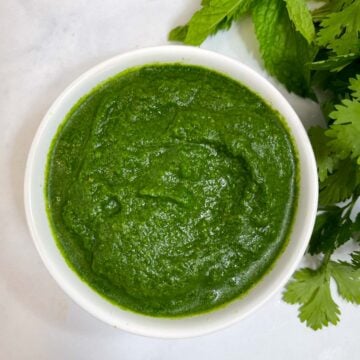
{"x":347,"y":279}
{"x":331,"y":231}
{"x":333,"y":87}
{"x":214,"y":15}
{"x":301,"y":287}
{"x":345,"y":131}
{"x":355,"y":259}
{"x":335,"y":84}
{"x":325,"y":158}
{"x":311,"y":289}
{"x":329,"y":7}
{"x":340,"y":30}
{"x":356,"y":227}
{"x":340,"y":185}
{"x":355,"y":87}
{"x":179,"y":33}
{"x":334,"y":63}
{"x":284,"y":50}
{"x":300,"y":15}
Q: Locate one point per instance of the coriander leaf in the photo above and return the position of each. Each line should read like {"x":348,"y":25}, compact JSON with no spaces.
{"x":302,"y":286}
{"x":325,"y":158}
{"x":334,"y":63}
{"x":331,"y":231}
{"x":345,"y":131}
{"x":299,"y":14}
{"x":284,"y":51}
{"x":316,"y":240}
{"x":355,"y":86}
{"x":347,"y":279}
{"x":328,"y":107}
{"x":356,"y":226}
{"x":355,"y":259}
{"x":329,"y":7}
{"x":212,"y":17}
{"x":336,"y":83}
{"x":340,"y":30}
{"x":321,"y":310}
{"x":311,"y":289}
{"x":340,"y":185}
{"x":333,"y":87}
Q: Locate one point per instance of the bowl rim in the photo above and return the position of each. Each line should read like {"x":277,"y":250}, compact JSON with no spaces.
{"x":152,"y":327}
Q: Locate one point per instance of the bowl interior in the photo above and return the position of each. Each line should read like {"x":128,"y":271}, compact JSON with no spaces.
{"x":88,"y":298}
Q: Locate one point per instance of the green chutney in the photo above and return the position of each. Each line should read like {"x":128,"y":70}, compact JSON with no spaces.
{"x":171,"y":189}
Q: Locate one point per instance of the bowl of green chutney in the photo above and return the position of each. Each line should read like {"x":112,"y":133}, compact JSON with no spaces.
{"x":171,"y":191}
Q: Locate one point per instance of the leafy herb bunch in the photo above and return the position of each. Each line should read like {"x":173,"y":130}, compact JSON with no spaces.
{"x":314,"y":54}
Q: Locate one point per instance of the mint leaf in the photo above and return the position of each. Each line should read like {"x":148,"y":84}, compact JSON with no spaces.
{"x":284,"y":50}
{"x":311,"y":290}
{"x":347,"y":279}
{"x":179,"y":33}
{"x":299,"y":14}
{"x":214,"y":15}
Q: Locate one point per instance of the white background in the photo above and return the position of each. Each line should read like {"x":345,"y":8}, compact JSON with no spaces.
{"x":44,"y":45}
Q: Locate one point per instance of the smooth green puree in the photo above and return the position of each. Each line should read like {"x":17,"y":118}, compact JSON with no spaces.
{"x":171,"y":189}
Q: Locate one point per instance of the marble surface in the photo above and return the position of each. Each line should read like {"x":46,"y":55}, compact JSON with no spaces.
{"x":44,"y":45}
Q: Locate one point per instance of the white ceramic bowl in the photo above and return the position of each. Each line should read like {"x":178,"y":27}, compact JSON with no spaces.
{"x":87,"y":298}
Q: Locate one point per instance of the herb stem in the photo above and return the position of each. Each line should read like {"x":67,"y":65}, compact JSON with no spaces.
{"x":326,"y":260}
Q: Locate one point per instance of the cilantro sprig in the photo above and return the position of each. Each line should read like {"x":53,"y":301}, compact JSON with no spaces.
{"x":311,"y":290}
{"x":314,"y":54}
